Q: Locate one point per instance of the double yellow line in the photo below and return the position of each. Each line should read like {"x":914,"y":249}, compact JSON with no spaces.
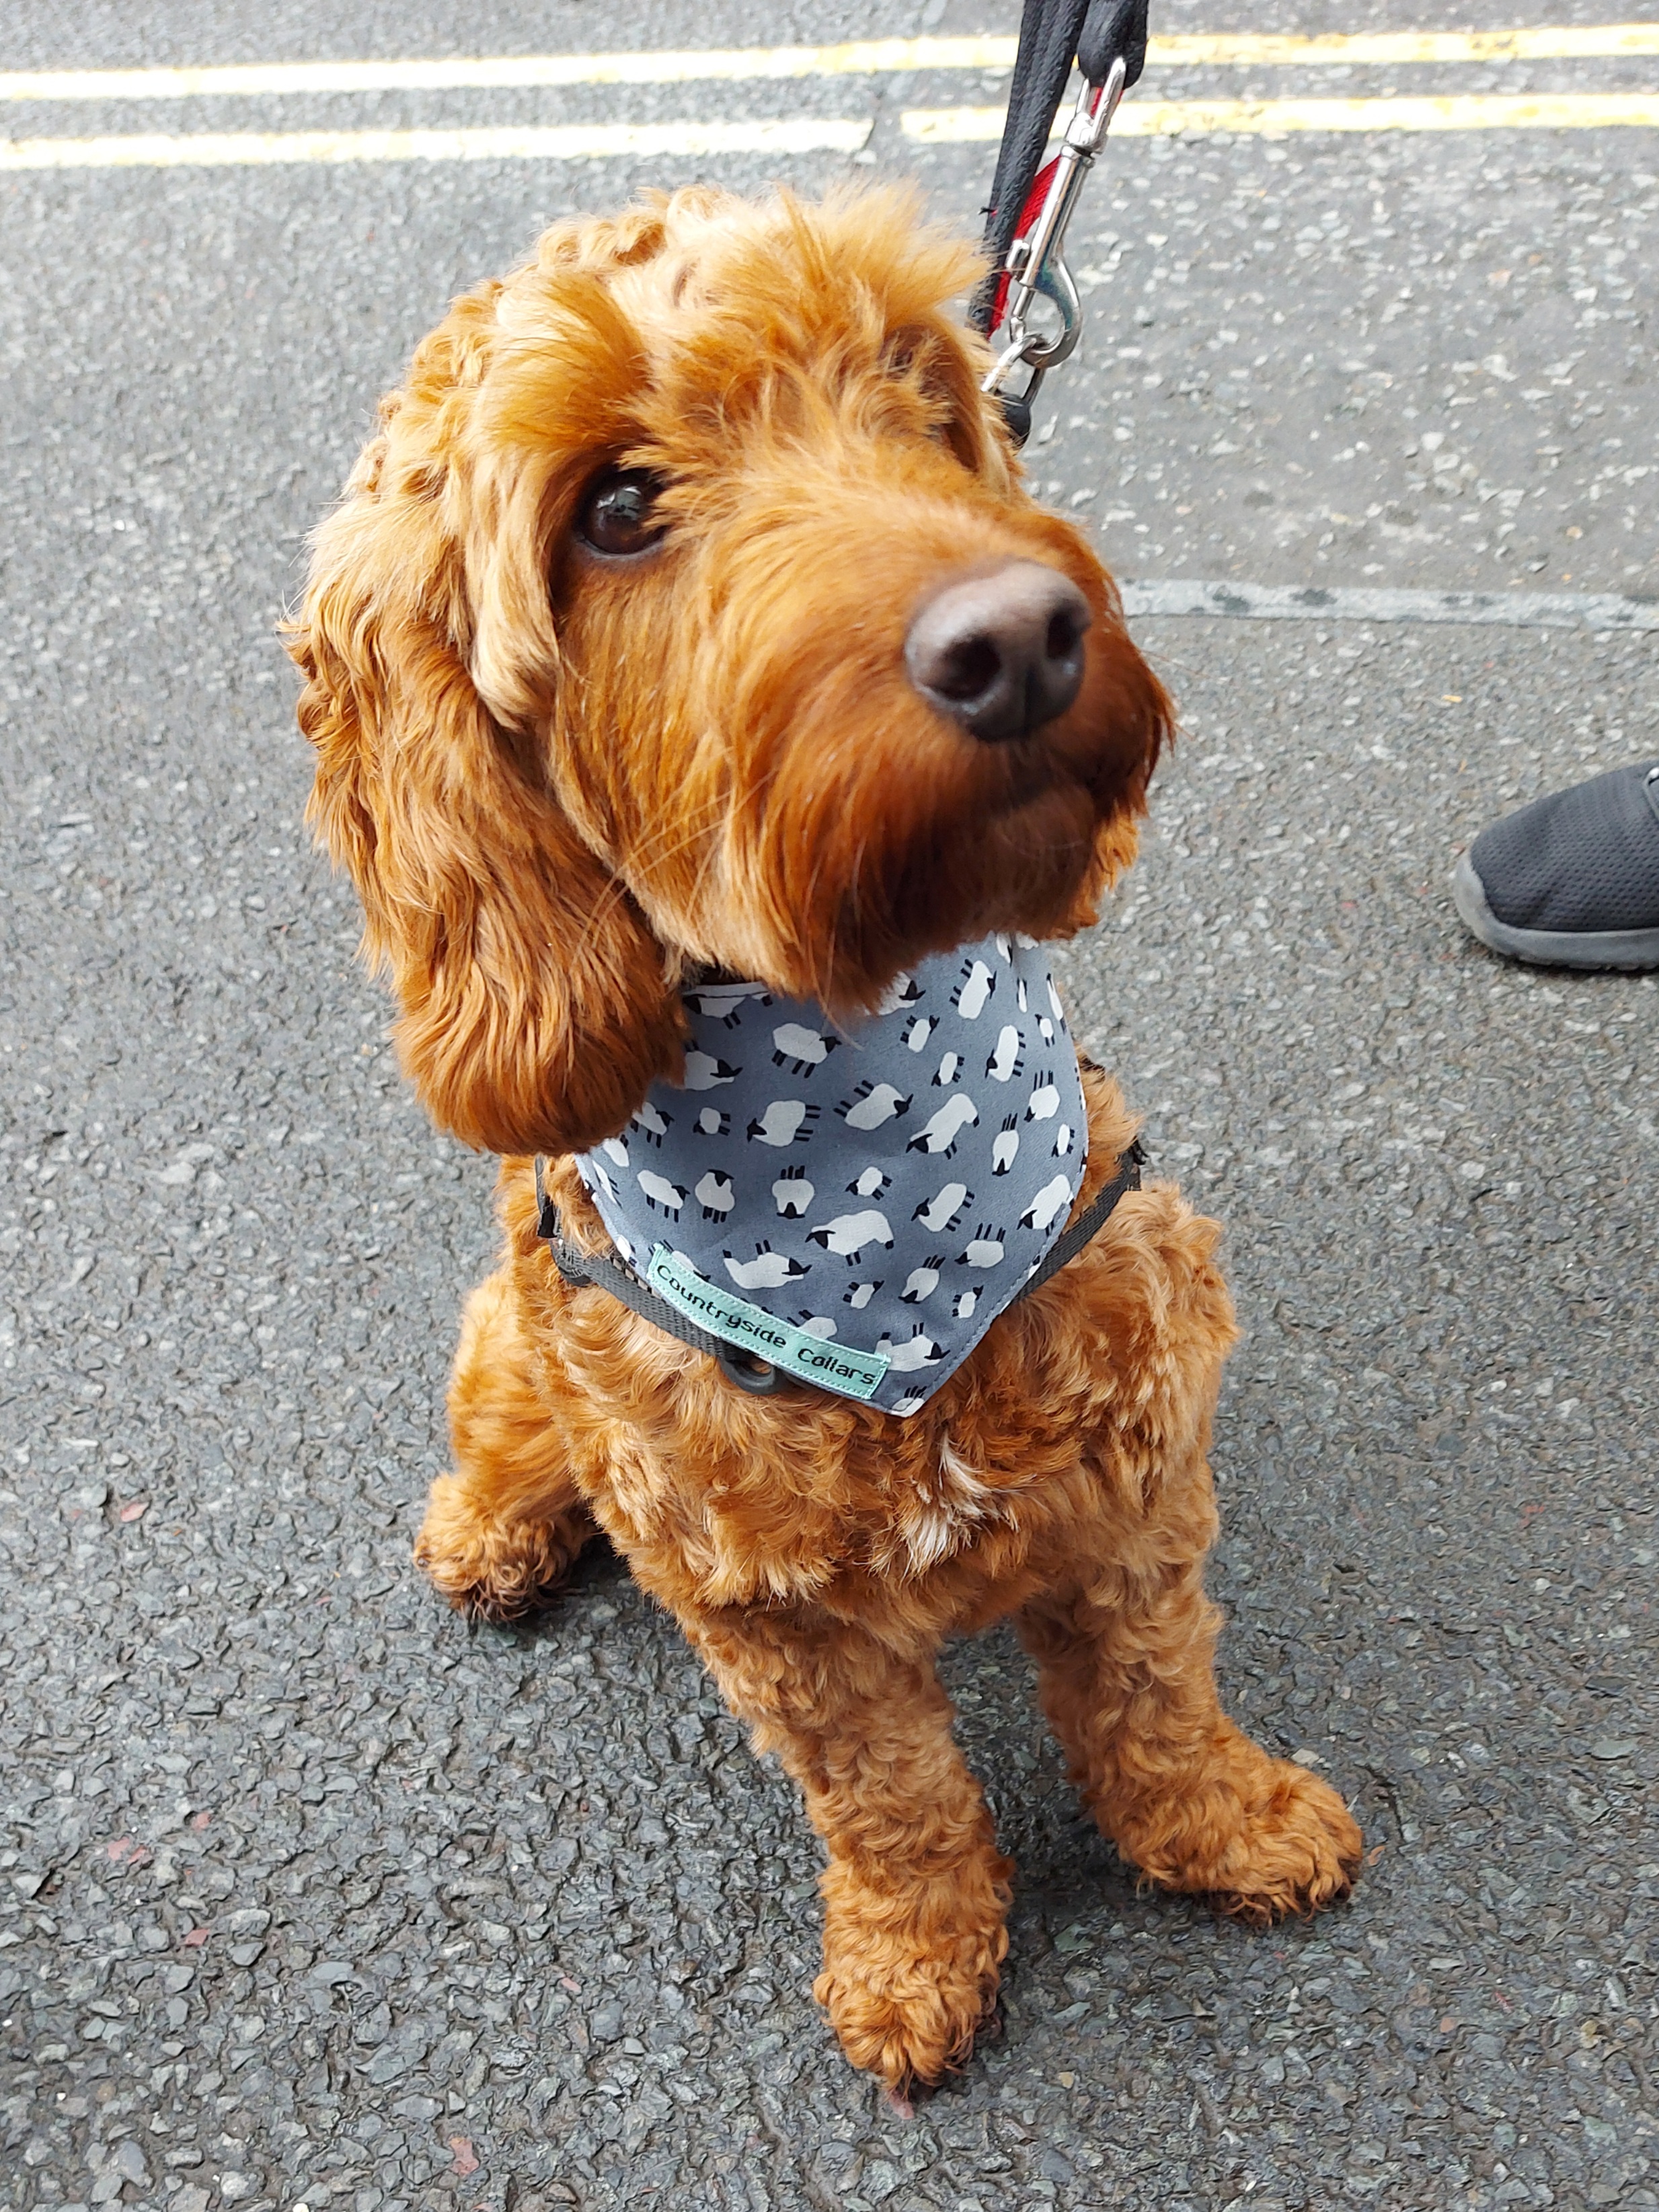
{"x":1138,"y":118}
{"x":852,"y":57}
{"x":1164,"y":118}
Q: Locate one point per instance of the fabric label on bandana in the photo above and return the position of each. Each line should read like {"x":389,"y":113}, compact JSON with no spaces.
{"x":881,"y":1190}
{"x":750,"y":1328}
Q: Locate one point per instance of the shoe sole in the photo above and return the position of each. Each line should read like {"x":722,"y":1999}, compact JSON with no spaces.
{"x":1626,"y":949}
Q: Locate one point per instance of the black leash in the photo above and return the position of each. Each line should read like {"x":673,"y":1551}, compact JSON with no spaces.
{"x":758,"y":1376}
{"x":1030,"y":204}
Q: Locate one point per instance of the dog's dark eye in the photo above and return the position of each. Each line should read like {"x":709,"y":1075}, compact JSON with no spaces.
{"x":618,"y":515}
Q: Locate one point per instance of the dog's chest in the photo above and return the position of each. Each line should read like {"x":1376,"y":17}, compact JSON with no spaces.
{"x":938,"y":1512}
{"x":754,"y":1531}
{"x":887,"y":1188}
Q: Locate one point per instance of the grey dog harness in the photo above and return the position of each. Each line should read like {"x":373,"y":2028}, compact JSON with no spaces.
{"x":851,"y":1207}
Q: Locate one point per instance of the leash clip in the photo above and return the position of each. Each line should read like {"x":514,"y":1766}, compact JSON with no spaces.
{"x":1035,"y":262}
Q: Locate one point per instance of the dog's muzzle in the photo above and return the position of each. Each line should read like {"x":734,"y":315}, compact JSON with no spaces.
{"x":1000,"y":653}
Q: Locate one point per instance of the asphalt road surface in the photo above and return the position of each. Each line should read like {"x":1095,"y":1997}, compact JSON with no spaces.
{"x":307,"y":1896}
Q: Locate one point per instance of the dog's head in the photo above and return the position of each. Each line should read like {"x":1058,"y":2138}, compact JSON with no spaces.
{"x":688,"y":609}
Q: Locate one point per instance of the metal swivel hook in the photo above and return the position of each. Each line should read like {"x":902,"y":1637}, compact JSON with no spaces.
{"x":1037,"y":264}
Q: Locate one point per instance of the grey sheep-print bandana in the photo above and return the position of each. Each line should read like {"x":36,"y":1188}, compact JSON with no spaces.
{"x":857,"y":1204}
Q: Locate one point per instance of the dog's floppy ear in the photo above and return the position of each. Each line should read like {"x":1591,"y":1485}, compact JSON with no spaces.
{"x":536,"y":1006}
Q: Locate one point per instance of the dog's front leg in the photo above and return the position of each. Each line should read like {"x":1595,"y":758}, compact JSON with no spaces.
{"x":1129,"y":1686}
{"x":501,"y":1532}
{"x":916,"y":1891}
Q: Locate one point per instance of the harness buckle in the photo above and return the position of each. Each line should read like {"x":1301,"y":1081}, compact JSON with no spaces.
{"x":757,"y":1377}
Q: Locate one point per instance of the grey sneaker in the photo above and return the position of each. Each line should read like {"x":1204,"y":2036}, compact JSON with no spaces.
{"x":1571,"y":881}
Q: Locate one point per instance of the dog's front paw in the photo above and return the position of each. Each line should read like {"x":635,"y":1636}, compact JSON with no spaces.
{"x":1277,"y":1841}
{"x":907,"y":1991}
{"x":492,"y":1568}
{"x":1298,"y":1851}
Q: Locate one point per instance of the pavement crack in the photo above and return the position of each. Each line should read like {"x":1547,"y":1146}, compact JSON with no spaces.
{"x":1385,"y":1782}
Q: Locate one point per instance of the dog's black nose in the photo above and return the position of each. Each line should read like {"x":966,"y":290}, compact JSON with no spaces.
{"x":1000,"y":653}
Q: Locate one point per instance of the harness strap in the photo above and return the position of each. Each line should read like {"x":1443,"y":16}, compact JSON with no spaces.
{"x":757,"y":1377}
{"x":1088,"y":1224}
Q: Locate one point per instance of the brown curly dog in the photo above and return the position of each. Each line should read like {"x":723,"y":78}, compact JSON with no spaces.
{"x":612,"y":682}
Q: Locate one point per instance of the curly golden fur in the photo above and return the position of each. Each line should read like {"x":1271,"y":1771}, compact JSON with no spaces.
{"x":563,"y":785}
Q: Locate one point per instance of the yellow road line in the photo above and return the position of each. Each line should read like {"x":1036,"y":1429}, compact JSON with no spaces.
{"x":1170,"y":118}
{"x":854,"y":58}
{"x":577,"y":142}
{"x":1547,"y":42}
{"x":858,"y":57}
